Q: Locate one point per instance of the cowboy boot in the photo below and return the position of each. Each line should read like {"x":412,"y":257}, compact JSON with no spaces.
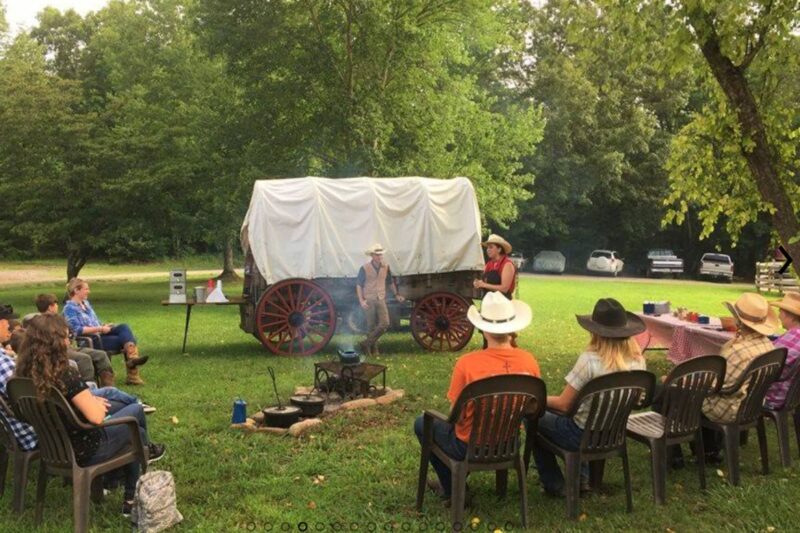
{"x":106,"y":378}
{"x":132,"y":363}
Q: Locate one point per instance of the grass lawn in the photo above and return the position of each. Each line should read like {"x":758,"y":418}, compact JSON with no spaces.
{"x":230,"y":481}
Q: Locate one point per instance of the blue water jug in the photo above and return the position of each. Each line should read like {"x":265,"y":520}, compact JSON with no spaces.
{"x":239,"y":412}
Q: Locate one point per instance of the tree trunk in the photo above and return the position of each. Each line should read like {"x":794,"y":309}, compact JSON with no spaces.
{"x":734,"y":84}
{"x":75,"y":262}
{"x":228,"y":269}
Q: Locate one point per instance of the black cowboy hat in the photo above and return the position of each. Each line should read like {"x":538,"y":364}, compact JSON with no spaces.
{"x":610,"y":319}
{"x":7,"y":312}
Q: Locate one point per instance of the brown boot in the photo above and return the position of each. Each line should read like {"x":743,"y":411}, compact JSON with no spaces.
{"x":106,"y":378}
{"x":132,"y":363}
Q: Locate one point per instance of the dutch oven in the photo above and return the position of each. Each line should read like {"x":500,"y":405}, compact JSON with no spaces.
{"x":281,"y":416}
{"x":349,"y":357}
{"x":310,"y":404}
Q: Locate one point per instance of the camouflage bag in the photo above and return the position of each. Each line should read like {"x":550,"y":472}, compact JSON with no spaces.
{"x":155,"y":502}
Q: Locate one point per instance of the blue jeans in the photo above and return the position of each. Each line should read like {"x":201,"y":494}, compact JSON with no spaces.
{"x":116,"y":395}
{"x":567,"y":434}
{"x":117,"y":338}
{"x":116,"y":439}
{"x":444,"y":435}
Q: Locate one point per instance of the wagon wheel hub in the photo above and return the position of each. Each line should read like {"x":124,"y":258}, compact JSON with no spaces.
{"x":442,"y":323}
{"x":296,"y":319}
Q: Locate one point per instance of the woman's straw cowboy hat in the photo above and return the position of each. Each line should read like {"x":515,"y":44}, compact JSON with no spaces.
{"x":753,"y":311}
{"x":499,"y":241}
{"x":376,"y":249}
{"x":500,"y":315}
{"x":789,"y":303}
{"x":610,"y":319}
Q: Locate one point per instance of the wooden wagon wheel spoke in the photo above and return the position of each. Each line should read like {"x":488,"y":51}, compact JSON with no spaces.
{"x":439,"y":322}
{"x":295,"y":317}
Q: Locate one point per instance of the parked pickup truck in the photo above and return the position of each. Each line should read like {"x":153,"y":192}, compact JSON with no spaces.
{"x":716,"y":266}
{"x":663,"y":262}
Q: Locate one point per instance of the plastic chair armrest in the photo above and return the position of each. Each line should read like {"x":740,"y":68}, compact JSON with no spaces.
{"x":432,"y":413}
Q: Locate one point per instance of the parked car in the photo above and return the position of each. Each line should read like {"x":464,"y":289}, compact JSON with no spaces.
{"x":549,"y":262}
{"x":605,"y":261}
{"x":714,"y":265}
{"x":663,"y":262}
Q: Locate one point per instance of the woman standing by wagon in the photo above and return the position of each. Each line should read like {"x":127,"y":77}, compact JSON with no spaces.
{"x":499,"y":274}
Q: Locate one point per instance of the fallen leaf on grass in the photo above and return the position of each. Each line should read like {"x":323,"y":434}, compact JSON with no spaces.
{"x":583,"y":517}
{"x":174,"y":419}
{"x":770,"y":529}
{"x":318,"y":479}
{"x":720,"y":473}
{"x":497,"y":531}
{"x":475,"y":521}
{"x":312,"y":505}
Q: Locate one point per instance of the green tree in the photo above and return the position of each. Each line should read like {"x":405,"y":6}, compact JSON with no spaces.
{"x":379,"y":88}
{"x":737,"y":157}
{"x":609,"y":124}
{"x":45,"y":171}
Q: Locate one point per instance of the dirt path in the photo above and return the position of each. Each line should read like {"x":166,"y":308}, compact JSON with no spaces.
{"x":36,"y":275}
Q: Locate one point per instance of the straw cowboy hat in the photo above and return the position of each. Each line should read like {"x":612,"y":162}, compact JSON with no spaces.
{"x":499,"y":241}
{"x":375,"y":249}
{"x":790,"y":303}
{"x":753,"y":311}
{"x":610,"y":319}
{"x":500,"y":315}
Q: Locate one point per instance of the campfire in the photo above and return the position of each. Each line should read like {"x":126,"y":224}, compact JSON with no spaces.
{"x":347,"y":383}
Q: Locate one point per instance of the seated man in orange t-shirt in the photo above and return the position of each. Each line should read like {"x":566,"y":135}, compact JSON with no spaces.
{"x":497,"y":319}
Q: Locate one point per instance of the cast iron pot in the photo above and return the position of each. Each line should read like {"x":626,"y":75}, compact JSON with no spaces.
{"x":281,"y":417}
{"x":349,"y":357}
{"x":311,"y":404}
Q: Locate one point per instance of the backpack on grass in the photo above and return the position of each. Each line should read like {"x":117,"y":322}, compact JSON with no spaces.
{"x":155,"y":502}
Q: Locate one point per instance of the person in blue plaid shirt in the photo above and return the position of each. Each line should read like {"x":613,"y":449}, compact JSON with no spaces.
{"x":83,"y":320}
{"x":26,"y":437}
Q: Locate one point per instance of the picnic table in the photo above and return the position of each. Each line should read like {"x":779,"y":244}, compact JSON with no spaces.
{"x":189,"y":303}
{"x":682,"y":340}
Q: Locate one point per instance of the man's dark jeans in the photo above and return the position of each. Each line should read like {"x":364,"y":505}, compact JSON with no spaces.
{"x":444,"y":435}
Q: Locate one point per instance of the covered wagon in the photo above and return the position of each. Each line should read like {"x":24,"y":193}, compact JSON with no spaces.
{"x":304,"y":241}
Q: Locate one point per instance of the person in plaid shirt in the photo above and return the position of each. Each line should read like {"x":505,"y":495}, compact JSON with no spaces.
{"x":26,"y":437}
{"x":755,"y":320}
{"x":789,"y":314}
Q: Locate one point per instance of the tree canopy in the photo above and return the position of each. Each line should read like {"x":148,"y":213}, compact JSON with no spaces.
{"x":137,"y":131}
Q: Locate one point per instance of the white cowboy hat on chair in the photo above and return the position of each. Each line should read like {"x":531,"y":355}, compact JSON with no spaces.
{"x":500,"y":315}
{"x":376,"y":249}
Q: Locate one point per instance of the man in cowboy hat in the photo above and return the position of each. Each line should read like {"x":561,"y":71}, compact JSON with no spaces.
{"x":373,"y":278}
{"x":498,"y":318}
{"x":755,"y":320}
{"x":789,"y":315}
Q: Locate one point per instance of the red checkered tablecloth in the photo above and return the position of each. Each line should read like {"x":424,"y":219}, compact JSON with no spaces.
{"x":683,"y":340}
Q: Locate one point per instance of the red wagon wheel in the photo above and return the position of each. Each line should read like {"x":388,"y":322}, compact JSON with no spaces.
{"x":295,"y":317}
{"x":439,"y":322}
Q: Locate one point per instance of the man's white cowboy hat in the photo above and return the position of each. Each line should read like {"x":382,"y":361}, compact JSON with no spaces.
{"x":499,"y":241}
{"x":500,"y":315}
{"x":753,"y":311}
{"x":790,"y":303}
{"x":375,"y":249}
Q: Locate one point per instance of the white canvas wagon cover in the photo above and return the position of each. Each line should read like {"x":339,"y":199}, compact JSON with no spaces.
{"x":320,"y":227}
